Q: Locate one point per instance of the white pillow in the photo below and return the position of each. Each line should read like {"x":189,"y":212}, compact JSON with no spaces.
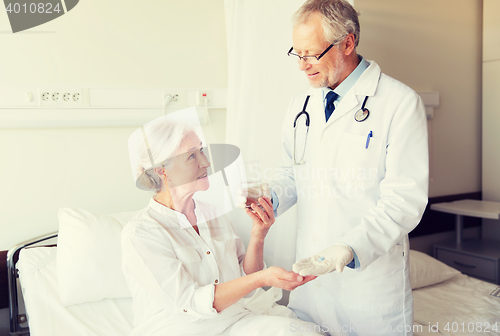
{"x":427,"y":271}
{"x":89,"y":262}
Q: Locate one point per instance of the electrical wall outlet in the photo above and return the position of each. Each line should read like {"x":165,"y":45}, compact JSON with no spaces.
{"x":63,"y":97}
{"x":203,"y":98}
{"x":173,"y":98}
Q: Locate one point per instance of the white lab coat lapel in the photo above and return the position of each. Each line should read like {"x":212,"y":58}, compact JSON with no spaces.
{"x":365,"y":86}
{"x":316,"y":111}
{"x":317,"y":108}
{"x":348,"y":103}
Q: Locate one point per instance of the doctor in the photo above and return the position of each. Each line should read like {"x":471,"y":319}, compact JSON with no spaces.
{"x":359,"y":177}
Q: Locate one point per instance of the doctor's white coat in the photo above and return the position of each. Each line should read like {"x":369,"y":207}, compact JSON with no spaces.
{"x":367,"y":194}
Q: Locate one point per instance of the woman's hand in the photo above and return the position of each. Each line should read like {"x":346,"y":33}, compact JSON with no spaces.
{"x":263,"y":217}
{"x":278,"y":277}
{"x":227,"y":293}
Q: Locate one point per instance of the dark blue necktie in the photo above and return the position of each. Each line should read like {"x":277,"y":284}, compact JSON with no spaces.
{"x":330,"y":107}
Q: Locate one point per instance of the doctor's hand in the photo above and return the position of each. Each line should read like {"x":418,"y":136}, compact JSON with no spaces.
{"x":247,"y":196}
{"x":279,"y":277}
{"x":262,"y":216}
{"x":326,"y":261}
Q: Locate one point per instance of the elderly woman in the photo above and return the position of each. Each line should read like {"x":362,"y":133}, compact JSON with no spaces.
{"x":186,"y":268}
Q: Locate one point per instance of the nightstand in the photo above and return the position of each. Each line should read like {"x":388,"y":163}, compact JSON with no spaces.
{"x":479,"y":258}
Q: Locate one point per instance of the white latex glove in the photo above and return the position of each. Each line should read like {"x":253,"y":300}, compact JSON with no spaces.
{"x":247,"y":196}
{"x":326,"y":261}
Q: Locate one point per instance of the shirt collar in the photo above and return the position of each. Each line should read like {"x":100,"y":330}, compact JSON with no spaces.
{"x":349,"y":82}
{"x":166,"y":211}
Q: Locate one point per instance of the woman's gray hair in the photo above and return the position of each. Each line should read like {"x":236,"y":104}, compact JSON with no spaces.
{"x":339,"y":18}
{"x":153,"y":146}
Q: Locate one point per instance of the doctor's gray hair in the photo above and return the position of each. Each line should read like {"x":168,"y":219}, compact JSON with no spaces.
{"x":339,"y":18}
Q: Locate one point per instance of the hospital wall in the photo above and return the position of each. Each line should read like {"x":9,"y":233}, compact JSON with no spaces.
{"x":435,"y":46}
{"x":491,"y":117}
{"x":429,"y":45}
{"x":159,"y":44}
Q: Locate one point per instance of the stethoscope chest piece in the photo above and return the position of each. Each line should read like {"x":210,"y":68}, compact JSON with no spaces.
{"x":363,"y":112}
{"x":362,"y":115}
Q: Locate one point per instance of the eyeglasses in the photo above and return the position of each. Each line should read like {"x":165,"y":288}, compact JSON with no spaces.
{"x":312,"y":59}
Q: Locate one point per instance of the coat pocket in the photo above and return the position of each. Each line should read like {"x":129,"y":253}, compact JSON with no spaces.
{"x":357,"y":161}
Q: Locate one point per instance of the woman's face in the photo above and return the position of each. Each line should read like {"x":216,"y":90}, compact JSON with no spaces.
{"x":188,"y":172}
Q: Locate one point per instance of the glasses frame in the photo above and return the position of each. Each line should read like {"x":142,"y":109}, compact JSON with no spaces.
{"x":305,"y":58}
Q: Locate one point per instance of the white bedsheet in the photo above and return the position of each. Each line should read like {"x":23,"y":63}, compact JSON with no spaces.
{"x":462,"y":303}
{"x":48,"y":317}
{"x":440,"y":305}
{"x":110,"y":317}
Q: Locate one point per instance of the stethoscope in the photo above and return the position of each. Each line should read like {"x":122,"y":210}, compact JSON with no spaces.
{"x":360,"y":115}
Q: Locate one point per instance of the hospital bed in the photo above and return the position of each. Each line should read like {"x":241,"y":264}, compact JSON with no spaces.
{"x":76,"y":288}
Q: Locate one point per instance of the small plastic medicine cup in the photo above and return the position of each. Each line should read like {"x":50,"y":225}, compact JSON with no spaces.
{"x":251,"y":183}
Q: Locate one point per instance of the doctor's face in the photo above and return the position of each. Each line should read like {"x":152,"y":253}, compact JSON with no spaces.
{"x":188,"y":172}
{"x":308,"y":39}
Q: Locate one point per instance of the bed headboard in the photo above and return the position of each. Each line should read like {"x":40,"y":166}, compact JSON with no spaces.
{"x":4,"y":283}
{"x":11,"y":259}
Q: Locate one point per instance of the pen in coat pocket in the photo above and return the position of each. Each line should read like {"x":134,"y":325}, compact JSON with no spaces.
{"x":368,"y":139}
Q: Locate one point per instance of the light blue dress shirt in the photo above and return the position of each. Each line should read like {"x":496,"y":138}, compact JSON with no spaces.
{"x":347,"y":83}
